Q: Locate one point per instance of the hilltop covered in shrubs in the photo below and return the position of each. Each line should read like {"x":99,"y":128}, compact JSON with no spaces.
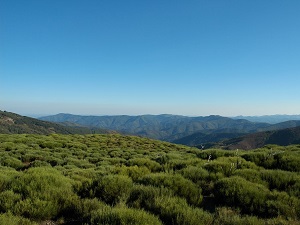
{"x":114,"y":179}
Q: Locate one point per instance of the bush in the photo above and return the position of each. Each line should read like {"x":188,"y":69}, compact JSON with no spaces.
{"x":113,"y":189}
{"x":170,"y":209}
{"x":150,"y":164}
{"x":10,"y":219}
{"x":195,"y":174}
{"x":229,"y":216}
{"x":280,"y":180}
{"x":177,"y":184}
{"x":251,"y":175}
{"x":176,"y":211}
{"x":123,"y":216}
{"x":8,"y":199}
{"x":134,"y":172}
{"x":235,"y":191}
{"x":45,"y":193}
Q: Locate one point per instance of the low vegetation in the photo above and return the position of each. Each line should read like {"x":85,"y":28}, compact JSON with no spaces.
{"x":115,"y":179}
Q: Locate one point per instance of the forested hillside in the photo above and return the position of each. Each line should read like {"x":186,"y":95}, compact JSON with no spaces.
{"x":282,"y":137}
{"x":11,"y":123}
{"x":114,"y":179}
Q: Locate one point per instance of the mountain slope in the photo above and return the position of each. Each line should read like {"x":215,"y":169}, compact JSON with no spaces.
{"x":163,"y":127}
{"x":208,"y":138}
{"x":11,"y":123}
{"x":282,"y":137}
{"x":282,"y":125}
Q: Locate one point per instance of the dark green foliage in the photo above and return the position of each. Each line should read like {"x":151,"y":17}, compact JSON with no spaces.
{"x":153,"y":166}
{"x":10,"y":219}
{"x":42,"y":193}
{"x":280,"y":180}
{"x":255,"y":198}
{"x":115,"y":179}
{"x":278,"y":158}
{"x":113,"y":189}
{"x":169,"y":208}
{"x":236,"y":191}
{"x":123,"y":216}
{"x":178,"y":184}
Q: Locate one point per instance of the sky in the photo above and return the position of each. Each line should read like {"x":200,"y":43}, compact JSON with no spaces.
{"x":116,"y":57}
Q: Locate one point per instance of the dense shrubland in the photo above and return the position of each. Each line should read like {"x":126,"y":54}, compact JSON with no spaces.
{"x":114,"y":179}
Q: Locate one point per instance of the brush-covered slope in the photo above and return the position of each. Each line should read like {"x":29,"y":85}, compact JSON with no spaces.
{"x":163,"y":127}
{"x":279,"y":137}
{"x":118,"y":180}
{"x":11,"y":123}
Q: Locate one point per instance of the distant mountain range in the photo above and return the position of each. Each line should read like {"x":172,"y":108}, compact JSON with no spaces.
{"x":11,"y":123}
{"x":202,"y":132}
{"x":163,"y":127}
{"x":192,"y":131}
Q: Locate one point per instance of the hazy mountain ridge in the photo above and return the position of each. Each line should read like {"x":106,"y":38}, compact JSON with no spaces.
{"x":163,"y":127}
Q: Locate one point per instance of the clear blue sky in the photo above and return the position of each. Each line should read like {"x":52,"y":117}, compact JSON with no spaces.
{"x":196,"y":57}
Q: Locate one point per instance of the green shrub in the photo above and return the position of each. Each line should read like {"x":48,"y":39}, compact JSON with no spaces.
{"x":123,"y":216}
{"x":177,"y":184}
{"x":251,"y":175}
{"x":8,"y":199}
{"x":134,"y":172}
{"x":142,"y":197}
{"x":113,"y":189}
{"x":170,"y":209}
{"x":174,"y":210}
{"x":229,"y":216}
{"x":280,"y":180}
{"x":145,"y":162}
{"x":45,"y":193}
{"x":88,"y":206}
{"x":195,"y":174}
{"x":11,"y":162}
{"x":235,"y":191}
{"x":10,"y":219}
